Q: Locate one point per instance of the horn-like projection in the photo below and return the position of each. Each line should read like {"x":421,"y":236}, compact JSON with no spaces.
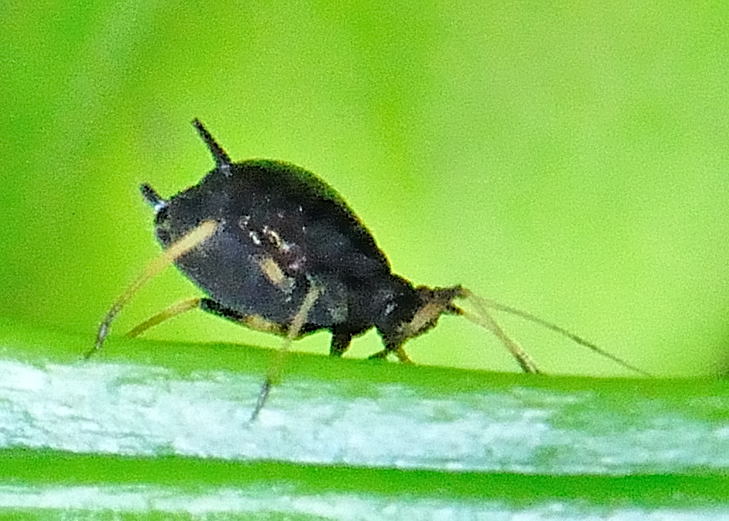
{"x":222,"y":160}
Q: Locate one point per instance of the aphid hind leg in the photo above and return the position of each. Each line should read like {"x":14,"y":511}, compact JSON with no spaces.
{"x":172,"y":311}
{"x":187,"y":242}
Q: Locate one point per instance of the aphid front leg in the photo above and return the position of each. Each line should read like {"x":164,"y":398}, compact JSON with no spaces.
{"x":412,"y":313}
{"x":398,"y":350}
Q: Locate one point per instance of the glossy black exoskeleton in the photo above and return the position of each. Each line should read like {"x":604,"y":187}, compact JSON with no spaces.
{"x":277,"y":249}
{"x":280,"y":230}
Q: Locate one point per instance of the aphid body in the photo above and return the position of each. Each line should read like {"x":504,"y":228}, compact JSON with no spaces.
{"x":280,"y":231}
{"x":276,"y":249}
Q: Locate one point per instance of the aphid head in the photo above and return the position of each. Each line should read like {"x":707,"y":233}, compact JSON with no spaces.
{"x":416,"y":310}
{"x":412,"y":313}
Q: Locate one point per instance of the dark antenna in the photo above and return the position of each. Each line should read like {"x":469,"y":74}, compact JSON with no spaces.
{"x":222,"y":161}
{"x":482,"y":304}
{"x":562,"y":331}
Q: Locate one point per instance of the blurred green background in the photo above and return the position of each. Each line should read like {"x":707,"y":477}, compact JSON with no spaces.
{"x":568,"y":160}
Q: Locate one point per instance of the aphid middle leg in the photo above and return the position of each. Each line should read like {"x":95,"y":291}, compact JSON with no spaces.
{"x":402,"y":355}
{"x":340,"y":343}
{"x":294,"y":329}
{"x":209,"y":306}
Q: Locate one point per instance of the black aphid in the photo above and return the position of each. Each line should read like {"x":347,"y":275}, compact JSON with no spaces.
{"x":277,"y":249}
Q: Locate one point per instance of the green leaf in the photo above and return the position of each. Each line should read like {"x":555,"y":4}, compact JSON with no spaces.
{"x":152,"y":430}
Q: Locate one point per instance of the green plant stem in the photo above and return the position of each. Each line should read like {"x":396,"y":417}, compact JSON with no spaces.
{"x":166,"y":426}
